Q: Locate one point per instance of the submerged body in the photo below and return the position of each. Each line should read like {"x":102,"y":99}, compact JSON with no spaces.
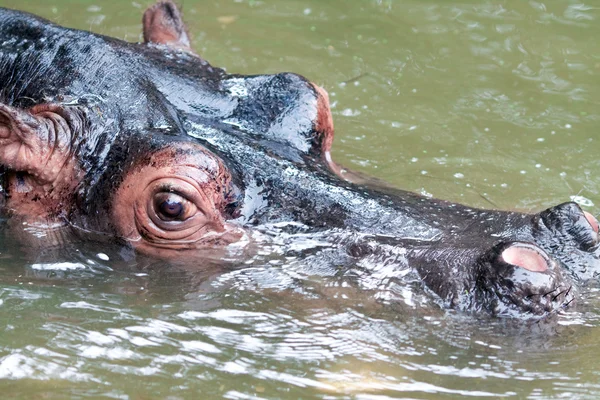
{"x":150,"y":144}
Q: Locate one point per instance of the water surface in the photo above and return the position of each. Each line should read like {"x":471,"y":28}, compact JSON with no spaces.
{"x":493,"y":104}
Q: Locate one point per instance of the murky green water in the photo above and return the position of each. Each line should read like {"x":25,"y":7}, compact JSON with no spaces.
{"x":495,"y":104}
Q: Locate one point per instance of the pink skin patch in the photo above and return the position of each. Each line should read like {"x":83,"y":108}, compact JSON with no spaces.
{"x":525,"y":256}
{"x":592,"y":220}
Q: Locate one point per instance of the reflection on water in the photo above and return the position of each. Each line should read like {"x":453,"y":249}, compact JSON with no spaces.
{"x":490,"y":103}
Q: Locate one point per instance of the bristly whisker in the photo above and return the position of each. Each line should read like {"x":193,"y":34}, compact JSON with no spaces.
{"x":565,"y":292}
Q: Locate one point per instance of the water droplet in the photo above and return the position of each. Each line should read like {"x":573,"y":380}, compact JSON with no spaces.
{"x":582,"y":201}
{"x":348,"y":112}
{"x":425,"y":193}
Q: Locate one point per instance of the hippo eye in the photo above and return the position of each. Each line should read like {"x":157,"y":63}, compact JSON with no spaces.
{"x":173,"y":207}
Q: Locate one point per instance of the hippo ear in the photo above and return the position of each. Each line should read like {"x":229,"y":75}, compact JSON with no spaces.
{"x":40,"y":141}
{"x":163,"y":24}
{"x":284,"y":108}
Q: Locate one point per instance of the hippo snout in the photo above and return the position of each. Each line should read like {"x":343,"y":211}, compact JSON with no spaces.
{"x":533,"y":270}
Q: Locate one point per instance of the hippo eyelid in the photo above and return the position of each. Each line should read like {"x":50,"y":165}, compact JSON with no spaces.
{"x":167,"y":188}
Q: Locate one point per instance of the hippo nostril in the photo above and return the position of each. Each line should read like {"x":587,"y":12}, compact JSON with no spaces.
{"x":592,"y":220}
{"x":526,"y":256}
{"x":568,"y":220}
{"x":520,"y":275}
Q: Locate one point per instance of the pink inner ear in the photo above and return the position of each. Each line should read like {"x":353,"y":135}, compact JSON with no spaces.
{"x":525,"y":257}
{"x":324,"y":122}
{"x":592,"y":220}
{"x":163,"y":24}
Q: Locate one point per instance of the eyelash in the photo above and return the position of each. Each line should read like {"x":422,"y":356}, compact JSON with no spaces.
{"x":173,"y":190}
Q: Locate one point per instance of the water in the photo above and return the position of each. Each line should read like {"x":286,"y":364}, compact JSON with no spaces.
{"x":494,"y":104}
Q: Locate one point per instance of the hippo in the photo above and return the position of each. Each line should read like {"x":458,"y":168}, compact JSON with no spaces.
{"x":149,"y":144}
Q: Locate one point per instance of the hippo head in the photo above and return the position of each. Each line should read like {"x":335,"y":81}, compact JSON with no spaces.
{"x":149,"y":144}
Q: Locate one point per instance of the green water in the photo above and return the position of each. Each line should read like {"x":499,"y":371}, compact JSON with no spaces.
{"x":494,"y":104}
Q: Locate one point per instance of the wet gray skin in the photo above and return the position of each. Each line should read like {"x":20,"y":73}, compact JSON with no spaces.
{"x":125,"y":102}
